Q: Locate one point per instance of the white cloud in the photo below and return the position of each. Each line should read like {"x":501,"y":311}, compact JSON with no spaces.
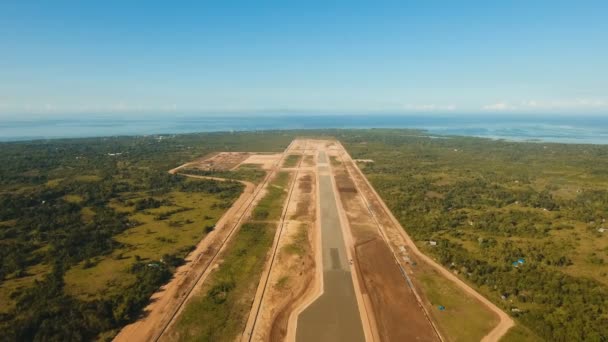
{"x":580,"y":104}
{"x":575,"y":104}
{"x":500,"y":106}
{"x":429,"y":107}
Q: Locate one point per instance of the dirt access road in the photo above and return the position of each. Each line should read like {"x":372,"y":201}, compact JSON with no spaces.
{"x":358,"y":292}
{"x":289,"y":273}
{"x":167,"y":303}
{"x":395,"y":236}
{"x":348,"y":280}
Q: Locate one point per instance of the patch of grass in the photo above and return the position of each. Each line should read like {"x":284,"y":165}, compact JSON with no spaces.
{"x":73,"y":198}
{"x":12,"y":286}
{"x":220,"y":314}
{"x":520,"y":333}
{"x":334,"y":161}
{"x":245,"y":172}
{"x":300,"y":242}
{"x":282,"y":282}
{"x":270,"y":207}
{"x":292,"y":160}
{"x":464,"y":318}
{"x":281,"y":179}
{"x":501,"y":201}
{"x":87,"y":214}
{"x":150,"y":240}
{"x":229,"y":291}
{"x":87,"y":178}
{"x":309,"y":160}
{"x":53,"y":183}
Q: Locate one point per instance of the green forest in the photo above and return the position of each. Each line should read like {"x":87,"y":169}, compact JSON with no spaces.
{"x":522,"y":222}
{"x":90,"y":228}
{"x":72,"y":209}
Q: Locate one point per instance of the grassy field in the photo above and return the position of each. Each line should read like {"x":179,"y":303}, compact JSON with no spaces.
{"x":220,"y":312}
{"x":148,"y":242}
{"x":246,"y":172}
{"x":73,"y":249}
{"x":12,"y":285}
{"x":464,"y":318}
{"x":300,"y":242}
{"x":292,"y":160}
{"x":519,"y":333}
{"x":488,"y":204}
{"x":269,"y":208}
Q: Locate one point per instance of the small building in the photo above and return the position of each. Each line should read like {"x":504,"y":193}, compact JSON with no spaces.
{"x":515,"y":263}
{"x":433,"y":243}
{"x":601,"y":230}
{"x":521,"y":261}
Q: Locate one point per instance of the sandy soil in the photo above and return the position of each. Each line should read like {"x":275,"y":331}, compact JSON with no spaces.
{"x":267,"y":161}
{"x":281,"y":307}
{"x":221,"y":161}
{"x":309,"y":160}
{"x":299,"y":145}
{"x":167,"y":303}
{"x":317,"y":286}
{"x":288,"y":275}
{"x":292,"y":273}
{"x":335,"y":315}
{"x":169,"y":298}
{"x":389,"y":308}
{"x":397,"y":237}
{"x":397,"y":313}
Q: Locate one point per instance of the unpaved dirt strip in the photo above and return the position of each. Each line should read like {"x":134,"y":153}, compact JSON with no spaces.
{"x":168,"y":299}
{"x":250,"y":333}
{"x":167,"y":303}
{"x":397,"y":236}
{"x":397,"y":307}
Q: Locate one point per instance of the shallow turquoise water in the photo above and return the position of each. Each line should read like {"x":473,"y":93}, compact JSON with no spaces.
{"x":566,"y":129}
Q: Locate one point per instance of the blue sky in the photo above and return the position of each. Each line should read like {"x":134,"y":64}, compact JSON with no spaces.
{"x":61,"y":57}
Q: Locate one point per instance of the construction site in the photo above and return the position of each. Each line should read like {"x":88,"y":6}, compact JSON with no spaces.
{"x":340,"y":266}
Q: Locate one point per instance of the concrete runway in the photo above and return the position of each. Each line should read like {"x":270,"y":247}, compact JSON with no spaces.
{"x":334,"y":316}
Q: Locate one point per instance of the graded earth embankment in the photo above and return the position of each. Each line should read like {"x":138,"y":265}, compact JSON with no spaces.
{"x":334,"y":316}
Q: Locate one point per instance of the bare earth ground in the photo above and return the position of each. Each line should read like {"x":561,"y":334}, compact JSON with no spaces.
{"x":398,"y":237}
{"x":339,"y":312}
{"x":267,"y":161}
{"x":289,"y":276}
{"x":168,"y":301}
{"x":379,"y":251}
{"x":293,"y":270}
{"x":224,"y":161}
{"x":398,"y":315}
{"x":281,"y":306}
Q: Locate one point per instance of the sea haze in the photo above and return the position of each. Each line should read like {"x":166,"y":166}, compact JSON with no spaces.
{"x":564,"y":129}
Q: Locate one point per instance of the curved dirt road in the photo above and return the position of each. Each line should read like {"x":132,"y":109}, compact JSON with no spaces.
{"x":506,"y":322}
{"x":169,"y":298}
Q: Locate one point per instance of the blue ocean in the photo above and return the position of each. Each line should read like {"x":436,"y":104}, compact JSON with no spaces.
{"x":561,"y":129}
